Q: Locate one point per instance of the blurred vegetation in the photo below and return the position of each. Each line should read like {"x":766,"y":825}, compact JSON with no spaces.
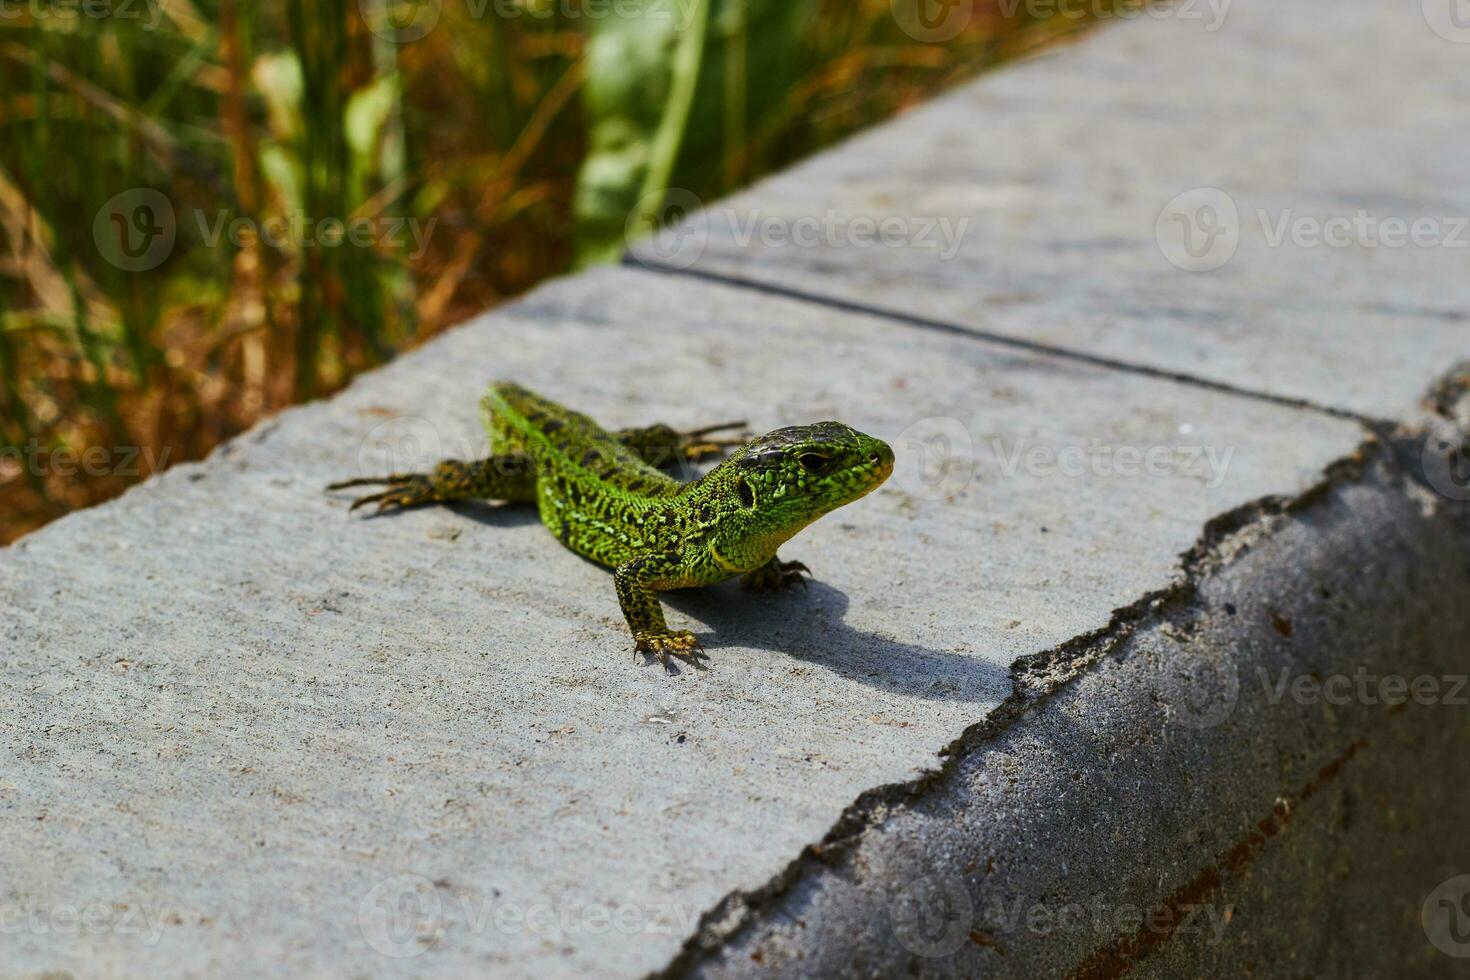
{"x":479,"y":145}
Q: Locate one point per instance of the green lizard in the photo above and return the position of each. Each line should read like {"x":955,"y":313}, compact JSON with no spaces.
{"x":603,"y":495}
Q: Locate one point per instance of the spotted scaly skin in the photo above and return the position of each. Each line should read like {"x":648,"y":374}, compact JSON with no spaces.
{"x":603,"y":496}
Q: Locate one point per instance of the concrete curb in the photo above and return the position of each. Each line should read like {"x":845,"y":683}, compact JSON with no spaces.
{"x":1186,"y":792}
{"x":306,"y":745}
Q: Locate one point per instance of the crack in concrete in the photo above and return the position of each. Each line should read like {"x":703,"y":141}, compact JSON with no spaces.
{"x":1016,"y":343}
{"x":1116,"y":959}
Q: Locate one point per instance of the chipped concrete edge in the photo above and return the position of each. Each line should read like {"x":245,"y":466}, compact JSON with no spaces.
{"x":751,"y":932}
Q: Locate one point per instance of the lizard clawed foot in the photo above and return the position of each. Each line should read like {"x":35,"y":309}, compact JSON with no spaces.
{"x":662,"y":643}
{"x":775,"y":574}
{"x":404,"y":490}
{"x":699,"y":444}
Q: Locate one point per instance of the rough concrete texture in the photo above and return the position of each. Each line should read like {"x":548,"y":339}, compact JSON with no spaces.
{"x":1009,"y":729}
{"x":238,"y":707}
{"x":1043,"y":203}
{"x":1178,"y":797}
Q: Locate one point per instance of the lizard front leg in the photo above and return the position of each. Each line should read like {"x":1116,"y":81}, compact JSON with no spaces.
{"x":635,"y":581}
{"x":509,"y":477}
{"x":775,"y":574}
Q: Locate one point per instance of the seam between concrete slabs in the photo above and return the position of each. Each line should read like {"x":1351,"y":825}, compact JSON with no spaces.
{"x":1017,"y":343}
{"x":1035,"y":678}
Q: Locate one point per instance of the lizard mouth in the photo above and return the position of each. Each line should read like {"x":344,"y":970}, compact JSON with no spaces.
{"x":881,"y":458}
{"x":869,"y":474}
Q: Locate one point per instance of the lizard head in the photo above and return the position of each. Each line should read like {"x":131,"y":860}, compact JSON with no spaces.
{"x":779,"y":483}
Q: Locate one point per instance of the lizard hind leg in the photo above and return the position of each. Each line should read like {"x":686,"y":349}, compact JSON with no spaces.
{"x":509,"y":477}
{"x":662,"y":445}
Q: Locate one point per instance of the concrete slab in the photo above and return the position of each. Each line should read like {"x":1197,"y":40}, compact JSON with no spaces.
{"x":246,"y":734}
{"x":1264,"y":195}
{"x":1265,"y":775}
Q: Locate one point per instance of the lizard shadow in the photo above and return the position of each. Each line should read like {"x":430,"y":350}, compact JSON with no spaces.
{"x":809,"y":624}
{"x":493,"y":514}
{"x":486,"y":512}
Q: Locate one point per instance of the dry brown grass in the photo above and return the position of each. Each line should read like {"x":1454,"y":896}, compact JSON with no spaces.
{"x":265,"y":111}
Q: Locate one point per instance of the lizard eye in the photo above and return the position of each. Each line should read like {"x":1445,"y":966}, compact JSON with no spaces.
{"x":747,"y":496}
{"x":814,"y":462}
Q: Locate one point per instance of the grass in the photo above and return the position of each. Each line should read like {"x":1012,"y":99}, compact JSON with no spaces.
{"x":212,"y":210}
